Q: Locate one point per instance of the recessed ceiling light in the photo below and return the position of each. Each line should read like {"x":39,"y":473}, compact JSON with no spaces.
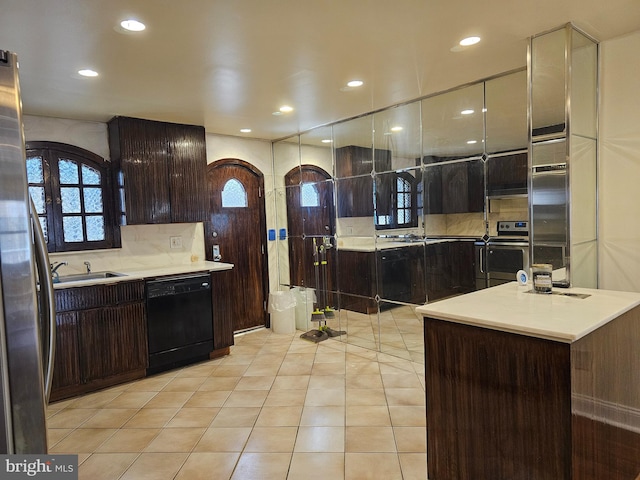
{"x":132,"y":25}
{"x":87,"y":72}
{"x":396,"y":129}
{"x":468,"y":111}
{"x":471,"y":142}
{"x":327,"y":140}
{"x":465,"y":42}
{"x":355,"y":83}
{"x":245,"y":130}
{"x":286,"y":109}
{"x":276,"y":113}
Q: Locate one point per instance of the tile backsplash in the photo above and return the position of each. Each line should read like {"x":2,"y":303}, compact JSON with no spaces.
{"x":143,"y":246}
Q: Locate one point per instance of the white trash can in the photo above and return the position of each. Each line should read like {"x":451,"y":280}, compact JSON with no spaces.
{"x":305,"y":298}
{"x":282,"y":312}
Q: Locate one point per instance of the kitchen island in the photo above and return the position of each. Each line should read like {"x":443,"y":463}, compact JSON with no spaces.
{"x":531,"y":386}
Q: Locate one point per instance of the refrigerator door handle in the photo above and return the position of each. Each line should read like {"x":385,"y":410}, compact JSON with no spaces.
{"x":46,"y":291}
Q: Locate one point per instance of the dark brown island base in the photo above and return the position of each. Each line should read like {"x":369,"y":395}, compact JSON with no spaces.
{"x":524,"y":386}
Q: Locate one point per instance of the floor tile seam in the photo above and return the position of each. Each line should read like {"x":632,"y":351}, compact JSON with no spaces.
{"x":204,"y":431}
{"x":102,"y":410}
{"x":138,"y":454}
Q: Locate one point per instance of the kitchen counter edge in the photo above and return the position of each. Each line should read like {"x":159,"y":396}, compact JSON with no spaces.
{"x":512,"y":308}
{"x":147,"y":273}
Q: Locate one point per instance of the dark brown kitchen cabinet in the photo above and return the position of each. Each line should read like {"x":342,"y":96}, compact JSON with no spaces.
{"x":449,"y":269}
{"x":101,"y":337}
{"x":463,"y":187}
{"x":507,"y":175}
{"x":355,"y":184}
{"x":66,"y":366}
{"x":113,"y":341}
{"x":223,"y":293}
{"x":161,"y":170}
{"x":401,"y":275}
{"x":357,"y":280}
{"x":394,"y":274}
{"x":454,"y":187}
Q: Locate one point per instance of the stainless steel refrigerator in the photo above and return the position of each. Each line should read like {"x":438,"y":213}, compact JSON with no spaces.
{"x":27,"y":317}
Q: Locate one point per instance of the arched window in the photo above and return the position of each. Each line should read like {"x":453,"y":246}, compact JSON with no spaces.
{"x":309,"y":196}
{"x":399,"y":210}
{"x":72,"y":195}
{"x":234,"y":194}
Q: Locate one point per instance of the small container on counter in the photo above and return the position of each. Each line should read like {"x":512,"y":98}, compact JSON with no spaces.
{"x":541,"y":274}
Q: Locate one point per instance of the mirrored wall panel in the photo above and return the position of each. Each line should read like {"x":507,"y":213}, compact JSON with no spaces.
{"x":392,"y":209}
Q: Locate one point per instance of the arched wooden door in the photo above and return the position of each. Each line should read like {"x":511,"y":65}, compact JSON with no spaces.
{"x":237,"y":225}
{"x":310,"y":216}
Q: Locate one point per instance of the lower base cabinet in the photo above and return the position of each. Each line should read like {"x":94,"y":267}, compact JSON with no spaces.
{"x":409,"y":274}
{"x":222,"y":293}
{"x":101,"y":337}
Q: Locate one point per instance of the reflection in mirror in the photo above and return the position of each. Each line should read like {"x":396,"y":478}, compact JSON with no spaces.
{"x":353,"y":142}
{"x":584,"y":85}
{"x":316,"y":148}
{"x":397,"y":138}
{"x":362,"y":328}
{"x":286,"y":155}
{"x":401,"y":333}
{"x":453,"y":125}
{"x":454,"y":197}
{"x":400,"y":268}
{"x":397,"y":202}
{"x":548,"y":83}
{"x":506,"y":113}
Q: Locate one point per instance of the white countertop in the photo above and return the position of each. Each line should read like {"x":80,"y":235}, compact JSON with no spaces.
{"x":371,"y":246}
{"x":141,"y":273}
{"x":510,"y":308}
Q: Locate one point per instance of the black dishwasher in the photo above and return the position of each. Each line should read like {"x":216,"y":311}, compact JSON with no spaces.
{"x":179,"y":321}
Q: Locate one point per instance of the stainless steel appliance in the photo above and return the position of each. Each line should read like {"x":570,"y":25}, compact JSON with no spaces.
{"x":550,"y":207}
{"x":24,"y":385}
{"x":179,"y":321}
{"x":499,"y":260}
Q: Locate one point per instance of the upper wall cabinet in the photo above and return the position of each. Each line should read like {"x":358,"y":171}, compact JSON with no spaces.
{"x":162,"y":170}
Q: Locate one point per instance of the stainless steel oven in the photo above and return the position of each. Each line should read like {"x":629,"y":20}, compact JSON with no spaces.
{"x":504,"y":259}
{"x":499,"y":259}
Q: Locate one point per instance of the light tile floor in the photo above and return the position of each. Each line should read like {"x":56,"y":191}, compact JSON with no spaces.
{"x":277,"y":407}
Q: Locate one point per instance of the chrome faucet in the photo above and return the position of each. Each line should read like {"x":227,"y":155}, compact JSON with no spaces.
{"x":88,"y":265}
{"x":54,"y":270}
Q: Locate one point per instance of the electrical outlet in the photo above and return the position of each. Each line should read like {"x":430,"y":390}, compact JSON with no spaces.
{"x":175,"y":242}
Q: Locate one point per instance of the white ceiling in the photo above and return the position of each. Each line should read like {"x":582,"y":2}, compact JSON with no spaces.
{"x":229,"y":64}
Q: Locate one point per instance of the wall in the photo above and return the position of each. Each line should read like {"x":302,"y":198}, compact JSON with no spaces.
{"x":619,"y":164}
{"x":148,"y":245}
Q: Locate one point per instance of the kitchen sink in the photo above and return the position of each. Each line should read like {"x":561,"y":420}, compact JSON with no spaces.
{"x":87,"y":276}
